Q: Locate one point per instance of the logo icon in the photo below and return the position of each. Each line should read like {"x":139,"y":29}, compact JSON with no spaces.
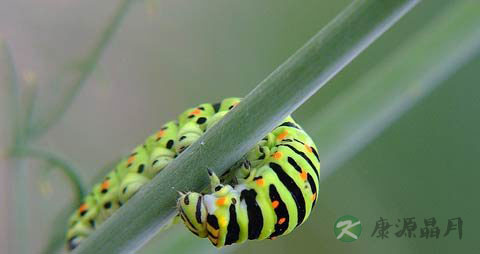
{"x":347,"y":228}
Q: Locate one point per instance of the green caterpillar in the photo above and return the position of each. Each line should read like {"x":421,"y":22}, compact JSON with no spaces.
{"x":270,"y":192}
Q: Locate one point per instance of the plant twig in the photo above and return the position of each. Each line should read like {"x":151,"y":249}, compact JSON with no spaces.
{"x":11,"y":79}
{"x":31,"y":92}
{"x":291,"y":83}
{"x":68,"y":170}
{"x":87,"y":67}
{"x":21,"y":208}
{"x":57,"y":236}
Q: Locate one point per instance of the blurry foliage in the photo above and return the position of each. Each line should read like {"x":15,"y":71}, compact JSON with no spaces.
{"x":25,"y":130}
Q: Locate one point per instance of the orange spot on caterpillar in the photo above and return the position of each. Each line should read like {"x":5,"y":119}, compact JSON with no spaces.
{"x":105,"y":184}
{"x":277,"y":155}
{"x":282,"y":135}
{"x":195,"y":112}
{"x":221,"y":201}
{"x":314,"y":196}
{"x":260,"y":181}
{"x":273,"y":238}
{"x":160,"y":133}
{"x":281,"y":221}
{"x":83,"y":207}
{"x":275,"y":204}
{"x":309,"y":148}
{"x":130,"y":159}
{"x":303,"y":175}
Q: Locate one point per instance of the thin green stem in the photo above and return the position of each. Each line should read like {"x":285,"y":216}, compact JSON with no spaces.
{"x":11,"y":79}
{"x":21,"y":207}
{"x":225,"y":143}
{"x":31,"y":99}
{"x":68,"y":170}
{"x":22,"y":119}
{"x":57,"y":237}
{"x":87,"y":67}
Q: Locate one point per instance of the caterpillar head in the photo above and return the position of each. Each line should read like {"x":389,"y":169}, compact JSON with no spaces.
{"x":193,"y":212}
{"x":73,"y":242}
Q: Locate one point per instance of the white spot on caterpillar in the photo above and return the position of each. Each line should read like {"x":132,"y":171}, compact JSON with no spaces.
{"x":209,"y":201}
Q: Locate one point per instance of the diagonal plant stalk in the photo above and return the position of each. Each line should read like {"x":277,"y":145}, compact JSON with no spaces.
{"x":292,"y":83}
{"x":86,"y":68}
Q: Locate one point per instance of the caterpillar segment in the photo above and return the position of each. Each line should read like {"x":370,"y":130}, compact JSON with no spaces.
{"x":276,"y":192}
{"x":144,"y":162}
{"x":82,"y":222}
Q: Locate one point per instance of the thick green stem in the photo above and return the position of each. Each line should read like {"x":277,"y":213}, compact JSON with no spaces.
{"x":275,"y":98}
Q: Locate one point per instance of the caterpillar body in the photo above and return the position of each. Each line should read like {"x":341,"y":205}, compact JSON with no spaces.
{"x":270,"y":192}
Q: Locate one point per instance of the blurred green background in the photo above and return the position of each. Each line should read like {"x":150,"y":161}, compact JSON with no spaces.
{"x":168,"y":55}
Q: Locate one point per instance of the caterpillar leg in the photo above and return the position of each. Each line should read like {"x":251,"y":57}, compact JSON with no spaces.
{"x":214,"y":181}
{"x":243,"y":172}
{"x":261,"y":151}
{"x":254,"y":159}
